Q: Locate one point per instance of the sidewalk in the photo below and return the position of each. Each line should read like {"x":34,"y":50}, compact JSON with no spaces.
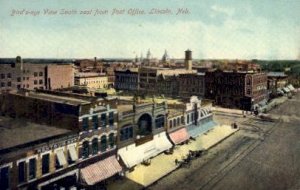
{"x":163,"y":164}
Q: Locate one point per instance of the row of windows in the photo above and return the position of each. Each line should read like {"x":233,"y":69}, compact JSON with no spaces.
{"x":36,"y":74}
{"x":27,"y":171}
{"x":94,"y":149}
{"x":176,"y":122}
{"x":95,"y":121}
{"x":8,"y":75}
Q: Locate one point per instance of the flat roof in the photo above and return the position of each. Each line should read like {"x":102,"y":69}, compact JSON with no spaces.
{"x":14,"y":132}
{"x":54,"y":98}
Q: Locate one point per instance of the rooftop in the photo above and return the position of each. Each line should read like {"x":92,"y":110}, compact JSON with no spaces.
{"x":14,"y":132}
{"x":54,"y":98}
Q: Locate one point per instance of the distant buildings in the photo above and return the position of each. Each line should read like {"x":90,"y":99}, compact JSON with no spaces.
{"x":17,"y":74}
{"x":91,"y":80}
{"x":241,"y":90}
{"x":127,"y":79}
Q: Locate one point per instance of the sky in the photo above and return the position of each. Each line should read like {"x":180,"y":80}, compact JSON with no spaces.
{"x":212,"y":29}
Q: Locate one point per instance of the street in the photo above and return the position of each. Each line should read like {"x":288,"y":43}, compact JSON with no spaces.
{"x":262,"y":155}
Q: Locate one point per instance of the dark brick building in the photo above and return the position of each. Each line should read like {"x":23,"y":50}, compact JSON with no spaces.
{"x":242,"y":90}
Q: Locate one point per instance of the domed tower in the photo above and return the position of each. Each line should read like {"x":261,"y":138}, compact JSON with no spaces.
{"x":188,"y":60}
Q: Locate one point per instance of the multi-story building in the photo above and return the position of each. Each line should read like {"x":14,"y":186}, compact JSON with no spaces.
{"x":191,"y":85}
{"x":276,"y":82}
{"x":42,"y":74}
{"x":141,"y":132}
{"x":94,"y":122}
{"x":127,"y":79}
{"x":35,"y":156}
{"x":242,"y":90}
{"x":91,"y":80}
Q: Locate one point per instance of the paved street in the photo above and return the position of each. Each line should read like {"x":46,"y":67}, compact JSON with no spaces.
{"x":262,"y":155}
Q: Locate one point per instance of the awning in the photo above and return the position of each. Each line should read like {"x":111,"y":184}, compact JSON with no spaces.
{"x":291,"y":87}
{"x":196,"y":130}
{"x":133,"y":155}
{"x":162,"y":142}
{"x":73,"y":153}
{"x":179,"y":136}
{"x":100,"y":171}
{"x":286,"y":90}
{"x":61,"y":157}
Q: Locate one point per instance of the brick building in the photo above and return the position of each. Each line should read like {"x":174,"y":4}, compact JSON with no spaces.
{"x":35,"y":74}
{"x":242,"y":90}
{"x":191,"y":85}
{"x":127,"y":79}
{"x":91,"y":80}
{"x":90,"y":118}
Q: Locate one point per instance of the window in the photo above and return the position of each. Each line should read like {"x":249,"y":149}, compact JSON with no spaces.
{"x":111,"y":118}
{"x":21,"y":172}
{"x":103,"y":120}
{"x":95,"y":146}
{"x":188,"y":118}
{"x":95,"y":121}
{"x":32,"y":169}
{"x":19,"y":79}
{"x":85,"y":123}
{"x":27,"y":85}
{"x":35,"y":74}
{"x":40,"y":81}
{"x":85,"y":149}
{"x":248,"y":91}
{"x":160,"y":121}
{"x":170,"y":124}
{"x":111,"y":140}
{"x":18,"y":86}
{"x":2,"y":76}
{"x":174,"y":122}
{"x":8,"y":75}
{"x":35,"y":82}
{"x":178,"y":121}
{"x":182,"y":120}
{"x":103,"y":143}
{"x":2,"y":84}
{"x":4,"y":178}
{"x":126,"y":133}
{"x":45,"y":164}
{"x":40,"y":73}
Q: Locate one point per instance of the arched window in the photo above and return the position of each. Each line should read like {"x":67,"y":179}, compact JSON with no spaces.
{"x":174,"y":122}
{"x":170,"y":123}
{"x":95,"y":146}
{"x":85,"y":149}
{"x":182,"y":120}
{"x":178,"y":121}
{"x":160,"y":121}
{"x":111,"y":140}
{"x":126,"y":133}
{"x":103,"y":143}
{"x":188,"y":118}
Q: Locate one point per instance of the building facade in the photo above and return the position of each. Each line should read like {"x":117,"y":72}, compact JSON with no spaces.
{"x":191,"y":85}
{"x":127,"y":80}
{"x":91,"y":80}
{"x":242,"y":90}
{"x":17,"y":74}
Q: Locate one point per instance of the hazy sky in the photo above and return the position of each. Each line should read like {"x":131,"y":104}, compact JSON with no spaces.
{"x":251,"y":29}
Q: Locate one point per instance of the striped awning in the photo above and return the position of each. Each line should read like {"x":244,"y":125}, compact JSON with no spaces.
{"x":179,"y":136}
{"x":100,"y":171}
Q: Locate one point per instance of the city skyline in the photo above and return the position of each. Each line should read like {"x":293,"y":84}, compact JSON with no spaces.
{"x":212,"y":30}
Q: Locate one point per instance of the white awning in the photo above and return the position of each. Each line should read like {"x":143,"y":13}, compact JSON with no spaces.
{"x":291,"y":87}
{"x":73,"y":153}
{"x":61,"y":157}
{"x":133,"y":155}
